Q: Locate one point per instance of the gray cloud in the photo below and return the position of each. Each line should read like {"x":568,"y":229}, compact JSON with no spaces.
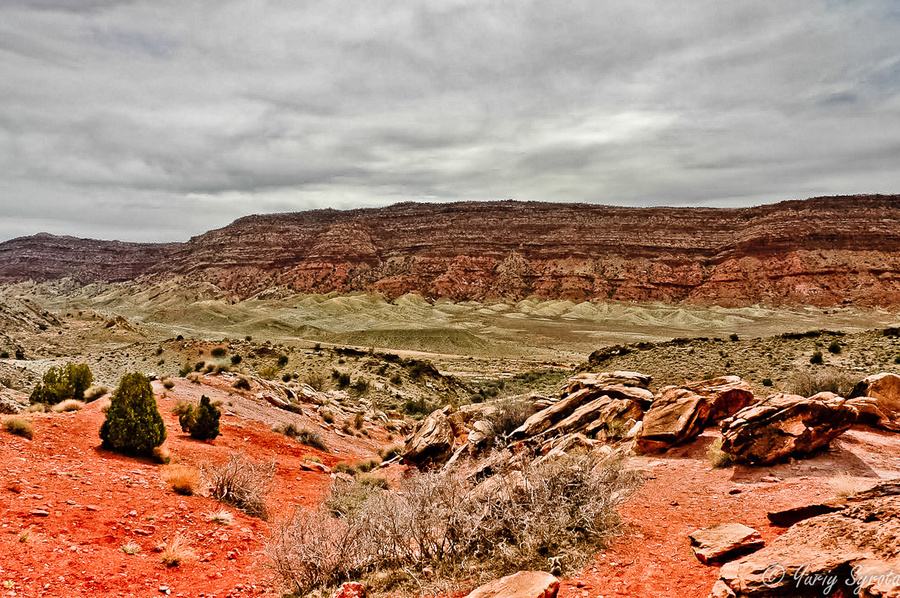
{"x":152,"y":120}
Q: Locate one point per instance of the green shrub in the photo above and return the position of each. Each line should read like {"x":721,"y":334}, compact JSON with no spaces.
{"x":767,"y":382}
{"x":185,"y":412}
{"x":285,"y":377}
{"x":282,"y":360}
{"x":63,"y":383}
{"x":236,"y":359}
{"x":834,"y":348}
{"x":816,"y":358}
{"x":184,"y":371}
{"x":202,"y":421}
{"x":733,"y":337}
{"x":19,"y":427}
{"x":206,"y":420}
{"x":133,"y":424}
{"x":241,"y":384}
{"x":218,"y":352}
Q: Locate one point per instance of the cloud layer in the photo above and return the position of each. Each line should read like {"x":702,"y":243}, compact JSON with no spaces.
{"x":156,"y":119}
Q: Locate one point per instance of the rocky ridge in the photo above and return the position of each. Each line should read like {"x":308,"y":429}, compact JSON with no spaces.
{"x":821,"y":251}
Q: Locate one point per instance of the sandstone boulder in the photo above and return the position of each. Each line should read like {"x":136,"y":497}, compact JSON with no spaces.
{"x":432,"y":443}
{"x":783,"y":426}
{"x":524,"y":584}
{"x":724,"y":541}
{"x":677,"y":415}
{"x":879,"y":402}
{"x":854,"y":552}
{"x":728,"y":394}
{"x":680,"y":413}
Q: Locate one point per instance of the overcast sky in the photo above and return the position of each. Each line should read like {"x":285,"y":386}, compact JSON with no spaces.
{"x":157,"y":120}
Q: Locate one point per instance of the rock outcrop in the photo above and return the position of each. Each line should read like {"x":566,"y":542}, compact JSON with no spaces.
{"x":724,"y":541}
{"x":879,"y":401}
{"x":524,"y":584}
{"x":601,"y":404}
{"x":680,"y":413}
{"x":822,"y":251}
{"x":783,"y":426}
{"x":432,"y":443}
{"x":853,"y":552}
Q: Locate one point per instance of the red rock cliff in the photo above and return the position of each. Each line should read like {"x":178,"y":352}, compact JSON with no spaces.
{"x":821,"y":251}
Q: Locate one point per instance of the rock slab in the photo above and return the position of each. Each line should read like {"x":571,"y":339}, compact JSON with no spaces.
{"x":783,"y":426}
{"x":524,"y":584}
{"x":724,"y":541}
{"x":880,"y":400}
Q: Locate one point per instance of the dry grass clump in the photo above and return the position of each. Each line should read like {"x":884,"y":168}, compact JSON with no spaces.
{"x":389,"y":452}
{"x":176,"y":551}
{"x":356,"y":467}
{"x":847,"y":486}
{"x":183,"y":479}
{"x":807,"y":384}
{"x":168,"y":383}
{"x":193,"y":378}
{"x":67,"y":405}
{"x":718,"y":458}
{"x":310,"y":438}
{"x":241,"y":483}
{"x":19,"y":427}
{"x":222,"y":517}
{"x":94,"y":392}
{"x":131,"y":548}
{"x":559,"y":512}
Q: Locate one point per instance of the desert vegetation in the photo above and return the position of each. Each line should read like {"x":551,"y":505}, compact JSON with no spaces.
{"x":64,"y":383}
{"x":550,"y":516}
{"x":241,"y":483}
{"x":133,"y":424}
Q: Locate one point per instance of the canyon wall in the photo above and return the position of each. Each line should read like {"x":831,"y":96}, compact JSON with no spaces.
{"x":821,"y":251}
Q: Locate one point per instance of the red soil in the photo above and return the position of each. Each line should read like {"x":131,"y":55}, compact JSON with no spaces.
{"x":98,"y":501}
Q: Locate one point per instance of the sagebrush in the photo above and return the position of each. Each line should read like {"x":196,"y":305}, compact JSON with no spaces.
{"x":241,"y":483}
{"x":535,"y":517}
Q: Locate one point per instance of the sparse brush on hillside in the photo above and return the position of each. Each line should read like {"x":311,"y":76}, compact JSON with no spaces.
{"x":62,"y":383}
{"x":562,"y":509}
{"x":806,"y":383}
{"x":511,"y":413}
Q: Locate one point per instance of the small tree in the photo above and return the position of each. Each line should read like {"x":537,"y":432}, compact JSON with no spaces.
{"x":63,"y":383}
{"x":133,"y":424}
{"x":206,"y":420}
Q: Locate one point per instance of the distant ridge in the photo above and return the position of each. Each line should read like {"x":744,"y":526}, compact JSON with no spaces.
{"x":821,"y":251}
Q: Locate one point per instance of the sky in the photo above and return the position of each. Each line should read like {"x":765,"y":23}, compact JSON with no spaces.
{"x":157,"y":120}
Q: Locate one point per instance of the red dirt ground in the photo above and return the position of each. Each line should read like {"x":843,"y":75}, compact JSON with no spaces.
{"x":98,"y":501}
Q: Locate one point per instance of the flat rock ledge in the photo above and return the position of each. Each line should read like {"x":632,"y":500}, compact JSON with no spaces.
{"x":524,"y":584}
{"x":724,"y":541}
